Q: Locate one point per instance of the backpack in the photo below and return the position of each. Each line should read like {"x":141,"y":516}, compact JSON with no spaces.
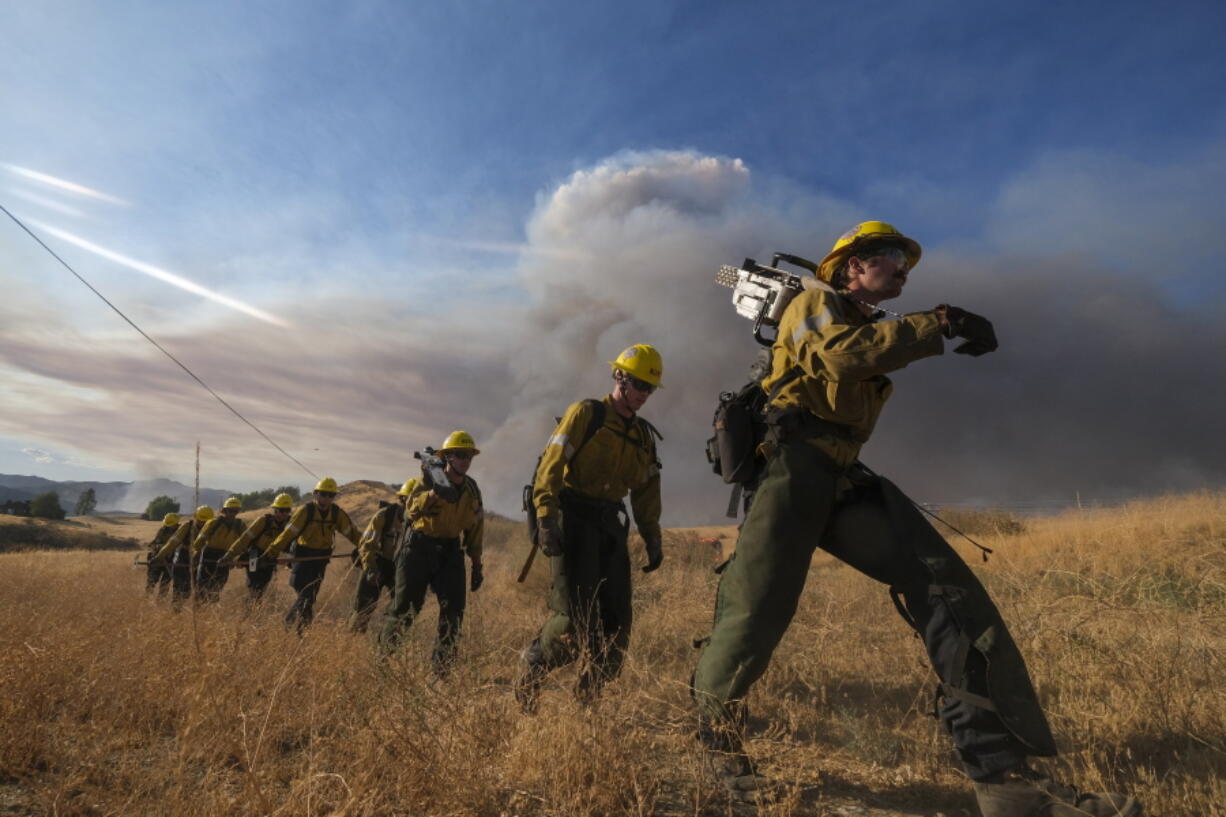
{"x":740,"y":427}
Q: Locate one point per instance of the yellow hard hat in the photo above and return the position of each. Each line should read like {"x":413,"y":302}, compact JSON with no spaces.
{"x":459,"y":440}
{"x":170,"y":519}
{"x":408,"y":488}
{"x":204,"y":513}
{"x":855,"y":238}
{"x":233,"y":502}
{"x":641,"y":361}
{"x":326,"y":484}
{"x":283,"y":501}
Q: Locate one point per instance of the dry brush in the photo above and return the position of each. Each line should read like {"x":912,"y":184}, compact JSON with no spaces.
{"x":112,"y":704}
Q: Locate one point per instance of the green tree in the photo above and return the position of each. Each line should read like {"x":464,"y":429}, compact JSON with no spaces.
{"x":47,"y":506}
{"x":159,"y":506}
{"x":263,"y":498}
{"x":293,"y":492}
{"x":86,"y":503}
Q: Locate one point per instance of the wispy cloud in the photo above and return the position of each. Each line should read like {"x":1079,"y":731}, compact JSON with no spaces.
{"x":162,"y":275}
{"x":65,"y":185}
{"x":38,"y":455}
{"x":49,"y":204}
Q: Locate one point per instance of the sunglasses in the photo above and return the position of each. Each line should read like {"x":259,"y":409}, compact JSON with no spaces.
{"x":638,"y":385}
{"x":460,"y":455}
{"x":325,"y":493}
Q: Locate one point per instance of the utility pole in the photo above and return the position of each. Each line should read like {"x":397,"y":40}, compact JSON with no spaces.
{"x":196,"y":500}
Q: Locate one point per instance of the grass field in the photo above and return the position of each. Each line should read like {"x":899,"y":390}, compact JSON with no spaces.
{"x":110,"y":704}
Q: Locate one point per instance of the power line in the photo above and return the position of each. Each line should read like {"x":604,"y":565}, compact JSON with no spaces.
{"x":159,"y":346}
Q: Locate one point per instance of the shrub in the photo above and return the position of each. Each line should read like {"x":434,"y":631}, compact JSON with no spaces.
{"x":47,"y":506}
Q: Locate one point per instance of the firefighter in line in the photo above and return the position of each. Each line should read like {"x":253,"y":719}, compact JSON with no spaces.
{"x":440,"y":532}
{"x":600,"y":451}
{"x":178,"y":550}
{"x":376,"y":552}
{"x":255,"y":540}
{"x":827,"y":386}
{"x":210,"y":547}
{"x":309,"y":535}
{"x":158,"y":571}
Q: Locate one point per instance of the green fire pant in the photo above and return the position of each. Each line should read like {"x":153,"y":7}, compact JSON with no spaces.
{"x":803,"y":502}
{"x":158,"y":575}
{"x":259,"y":574}
{"x":367,"y":594}
{"x":428,"y":562}
{"x":590,"y":599}
{"x":306,"y":578}
{"x":211,"y":577}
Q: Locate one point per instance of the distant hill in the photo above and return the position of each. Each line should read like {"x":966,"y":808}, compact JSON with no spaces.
{"x":131,"y":497}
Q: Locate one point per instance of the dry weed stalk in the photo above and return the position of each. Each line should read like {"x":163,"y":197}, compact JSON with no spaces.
{"x":112,"y":704}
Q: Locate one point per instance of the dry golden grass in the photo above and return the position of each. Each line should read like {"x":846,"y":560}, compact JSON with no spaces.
{"x":110,"y":704}
{"x":81,"y":533}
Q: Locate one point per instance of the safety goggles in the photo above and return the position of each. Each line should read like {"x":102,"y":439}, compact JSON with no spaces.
{"x":894,"y":254}
{"x":638,"y":385}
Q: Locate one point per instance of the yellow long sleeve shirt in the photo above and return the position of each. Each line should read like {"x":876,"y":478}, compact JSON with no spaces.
{"x":319,"y":532}
{"x":843,"y":357}
{"x":219,"y":533}
{"x":463,"y":519}
{"x":381,"y":535}
{"x":182,"y":538}
{"x":258,"y":534}
{"x":619,"y":459}
{"x":160,"y":538}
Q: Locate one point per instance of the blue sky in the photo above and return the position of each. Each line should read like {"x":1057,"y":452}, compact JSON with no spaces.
{"x":358,"y":166}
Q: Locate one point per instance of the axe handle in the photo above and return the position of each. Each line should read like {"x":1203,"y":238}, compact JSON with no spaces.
{"x":523,"y":574}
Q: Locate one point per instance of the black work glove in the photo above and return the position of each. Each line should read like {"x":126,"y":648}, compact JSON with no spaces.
{"x":549,"y":536}
{"x":477,"y":579}
{"x":980,"y":337}
{"x":655,"y":555}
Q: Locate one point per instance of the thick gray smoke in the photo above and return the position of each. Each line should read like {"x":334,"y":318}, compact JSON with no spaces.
{"x":626,"y":253}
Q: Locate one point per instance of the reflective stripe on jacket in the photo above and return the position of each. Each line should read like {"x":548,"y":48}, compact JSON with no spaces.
{"x":381,"y":535}
{"x":619,"y":459}
{"x":843,"y":357}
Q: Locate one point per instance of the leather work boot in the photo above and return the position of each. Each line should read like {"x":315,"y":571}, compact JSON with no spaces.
{"x":725,"y":762}
{"x":1025,"y":792}
{"x":532,"y":672}
{"x":735,"y":772}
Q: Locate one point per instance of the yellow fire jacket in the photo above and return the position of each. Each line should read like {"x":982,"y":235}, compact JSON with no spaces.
{"x":219,"y":533}
{"x":183,"y":537}
{"x":318,"y":533}
{"x":381,"y":535}
{"x":619,"y":459}
{"x":463,"y":519}
{"x":259,"y":533}
{"x":160,"y":538}
{"x":843,"y":357}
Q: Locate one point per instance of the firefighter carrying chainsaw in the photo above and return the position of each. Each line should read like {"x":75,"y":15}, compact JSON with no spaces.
{"x":824,"y":389}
